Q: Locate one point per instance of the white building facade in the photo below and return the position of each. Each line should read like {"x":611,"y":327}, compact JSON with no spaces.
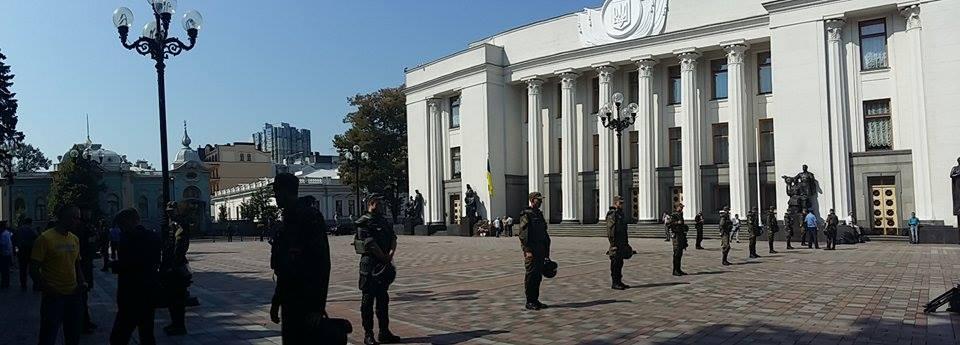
{"x":731,"y":95}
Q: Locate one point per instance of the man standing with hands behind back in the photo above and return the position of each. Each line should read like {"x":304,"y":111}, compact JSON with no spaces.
{"x":535,"y":243}
{"x":377,"y":272}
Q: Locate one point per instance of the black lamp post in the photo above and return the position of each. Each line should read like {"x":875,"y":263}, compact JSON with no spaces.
{"x":355,"y":156}
{"x":155,"y":43}
{"x":612,"y":117}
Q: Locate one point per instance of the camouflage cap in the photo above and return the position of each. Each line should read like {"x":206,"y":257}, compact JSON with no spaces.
{"x":535,"y":195}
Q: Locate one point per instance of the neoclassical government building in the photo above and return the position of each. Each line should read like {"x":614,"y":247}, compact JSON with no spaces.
{"x":730,"y":96}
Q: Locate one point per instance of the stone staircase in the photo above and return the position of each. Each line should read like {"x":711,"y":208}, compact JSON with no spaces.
{"x":634,"y":230}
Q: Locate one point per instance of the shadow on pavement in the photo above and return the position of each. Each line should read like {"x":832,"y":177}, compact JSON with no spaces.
{"x":653,"y":285}
{"x":452,"y":338}
{"x":577,"y":305}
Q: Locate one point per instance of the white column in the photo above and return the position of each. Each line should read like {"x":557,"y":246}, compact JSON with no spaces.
{"x":605,"y":178}
{"x":435,"y":142}
{"x":839,"y":120}
{"x":647,"y":131}
{"x":534,"y":137}
{"x":921,"y":148}
{"x":690,"y":133}
{"x":740,"y":121}
{"x":568,"y":174}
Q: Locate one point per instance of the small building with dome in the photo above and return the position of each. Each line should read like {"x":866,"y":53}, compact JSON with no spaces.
{"x":126,"y":185}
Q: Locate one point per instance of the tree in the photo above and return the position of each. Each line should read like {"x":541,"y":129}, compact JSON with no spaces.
{"x":259,"y":207}
{"x":77,"y":181}
{"x":222,"y":213}
{"x":246,"y":211}
{"x":10,"y":137}
{"x":27,"y":158}
{"x":378,"y":127}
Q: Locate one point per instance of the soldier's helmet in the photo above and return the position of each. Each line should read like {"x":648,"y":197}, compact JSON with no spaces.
{"x":549,"y":268}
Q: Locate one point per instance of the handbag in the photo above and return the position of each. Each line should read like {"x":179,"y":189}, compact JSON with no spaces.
{"x":331,"y":331}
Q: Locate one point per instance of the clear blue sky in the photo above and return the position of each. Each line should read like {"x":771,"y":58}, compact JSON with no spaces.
{"x":255,"y":62}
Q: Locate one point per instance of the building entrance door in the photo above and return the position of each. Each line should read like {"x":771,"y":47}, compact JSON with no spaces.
{"x":883,"y":201}
{"x":455,"y":209}
{"x":676,"y":195}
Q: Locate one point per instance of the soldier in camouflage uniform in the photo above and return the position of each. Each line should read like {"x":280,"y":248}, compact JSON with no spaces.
{"x":753,"y":226}
{"x":535,"y":243}
{"x":376,"y":263}
{"x":619,"y":245}
{"x":678,"y":234}
{"x":790,"y":222}
{"x":726,"y":227}
{"x":772,"y":226}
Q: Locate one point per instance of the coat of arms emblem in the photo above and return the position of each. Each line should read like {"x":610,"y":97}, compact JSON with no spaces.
{"x":619,"y":20}
{"x":620,"y":14}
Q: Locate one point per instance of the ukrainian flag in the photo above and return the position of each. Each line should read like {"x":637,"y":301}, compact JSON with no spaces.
{"x":489,"y":178}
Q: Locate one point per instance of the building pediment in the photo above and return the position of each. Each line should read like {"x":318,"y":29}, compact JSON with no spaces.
{"x":621,"y":20}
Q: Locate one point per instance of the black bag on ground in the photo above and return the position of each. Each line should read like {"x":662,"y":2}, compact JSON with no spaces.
{"x":331,"y":331}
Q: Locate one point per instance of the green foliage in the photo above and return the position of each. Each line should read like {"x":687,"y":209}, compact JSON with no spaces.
{"x":27,"y":158}
{"x":222,"y":213}
{"x":10,"y":137}
{"x":259,"y":208}
{"x":379,"y":127}
{"x":76,"y":182}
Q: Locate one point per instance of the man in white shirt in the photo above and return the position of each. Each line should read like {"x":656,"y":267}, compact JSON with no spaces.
{"x":736,"y":227}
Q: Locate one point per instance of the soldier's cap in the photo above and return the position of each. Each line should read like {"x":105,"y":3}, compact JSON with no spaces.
{"x":617,"y":198}
{"x":535,"y":195}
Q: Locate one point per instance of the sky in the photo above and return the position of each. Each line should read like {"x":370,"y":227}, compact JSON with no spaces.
{"x":254,"y":62}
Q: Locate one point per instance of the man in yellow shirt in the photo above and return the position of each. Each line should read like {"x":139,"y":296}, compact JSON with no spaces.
{"x":56,"y":258}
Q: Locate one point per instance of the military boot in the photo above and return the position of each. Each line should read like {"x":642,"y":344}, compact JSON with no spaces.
{"x":386,"y":337}
{"x":368,"y":339}
{"x":725,"y":262}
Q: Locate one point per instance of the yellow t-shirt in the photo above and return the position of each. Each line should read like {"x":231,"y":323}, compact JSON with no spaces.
{"x":57,"y":255}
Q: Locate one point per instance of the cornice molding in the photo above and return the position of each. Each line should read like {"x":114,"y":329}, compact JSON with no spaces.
{"x":451,"y":76}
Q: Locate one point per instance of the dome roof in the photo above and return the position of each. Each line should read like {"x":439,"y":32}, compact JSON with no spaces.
{"x":108,"y":158}
{"x":186,"y":154}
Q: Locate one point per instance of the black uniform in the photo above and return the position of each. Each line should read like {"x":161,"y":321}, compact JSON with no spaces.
{"x":831,"y":231}
{"x":300,"y":259}
{"x":535,"y":240}
{"x":88,"y":248}
{"x":678,"y":233}
{"x":136,"y":266}
{"x":753,"y":226}
{"x":175,"y":273}
{"x":619,"y":246}
{"x":698,"y":225}
{"x":772,"y":228}
{"x":376,"y":273}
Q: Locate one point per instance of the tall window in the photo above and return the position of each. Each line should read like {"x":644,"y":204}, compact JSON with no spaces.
{"x":878,"y":124}
{"x":674,"y":145}
{"x":596,"y":151}
{"x":766,"y":140}
{"x":595,"y":83}
{"x":144,"y":207}
{"x":559,"y":100}
{"x":634,"y":149}
{"x":339,"y":208}
{"x":353,"y":206}
{"x":634,"y":87}
{"x":721,"y":144}
{"x":764,"y":73}
{"x":40,"y":209}
{"x":719,"y":70}
{"x":455,"y":162}
{"x":673,"y":75}
{"x":873,"y":44}
{"x":455,"y":111}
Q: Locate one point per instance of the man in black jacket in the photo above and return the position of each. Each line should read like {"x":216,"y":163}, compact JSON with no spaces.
{"x":535,"y":244}
{"x":619,"y":245}
{"x":137,"y":268}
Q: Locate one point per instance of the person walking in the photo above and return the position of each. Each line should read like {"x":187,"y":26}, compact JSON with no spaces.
{"x":6,"y":255}
{"x":736,"y":228}
{"x":497,"y":226}
{"x":810,"y":234}
{"x":772,"y":227}
{"x":726,"y":227}
{"x":666,"y":226}
{"x":508,"y":223}
{"x":619,"y":244}
{"x":678,"y":232}
{"x":136,"y":266}
{"x":535,"y":244}
{"x":698,"y":225}
{"x":831,"y":230}
{"x":753,"y":228}
{"x":376,"y":271}
{"x":914,"y":223}
{"x":23,"y":240}
{"x":56,"y":266}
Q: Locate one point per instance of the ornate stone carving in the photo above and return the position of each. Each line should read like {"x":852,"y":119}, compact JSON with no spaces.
{"x":606,"y":73}
{"x":619,"y":20}
{"x":688,"y":61}
{"x":645,"y":67}
{"x":735,"y":53}
{"x":912,"y":14}
{"x":533,"y":86}
{"x":834,"y":29}
{"x":568,"y":80}
{"x":433,"y":105}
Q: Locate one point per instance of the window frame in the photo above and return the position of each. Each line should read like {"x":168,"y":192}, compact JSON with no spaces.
{"x":559,"y":100}
{"x":454,"y":102}
{"x":719,"y":67}
{"x":760,"y":135}
{"x":674,"y":95}
{"x":883,"y":34}
{"x":725,"y":136}
{"x":761,"y":63}
{"x":670,"y":149}
{"x":866,"y":121}
{"x":595,"y":84}
{"x":456,"y":163}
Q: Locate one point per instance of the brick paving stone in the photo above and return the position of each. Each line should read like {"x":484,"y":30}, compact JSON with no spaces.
{"x":470,"y":291}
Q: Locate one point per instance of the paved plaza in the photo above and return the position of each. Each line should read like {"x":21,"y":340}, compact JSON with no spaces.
{"x":454,"y":290}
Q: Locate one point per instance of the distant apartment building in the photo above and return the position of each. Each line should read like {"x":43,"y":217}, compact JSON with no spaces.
{"x":283,"y":142}
{"x":234,"y":164}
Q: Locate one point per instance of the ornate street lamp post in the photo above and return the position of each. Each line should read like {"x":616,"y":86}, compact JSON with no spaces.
{"x":612,"y":117}
{"x":355,"y":156}
{"x":155,"y":43}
